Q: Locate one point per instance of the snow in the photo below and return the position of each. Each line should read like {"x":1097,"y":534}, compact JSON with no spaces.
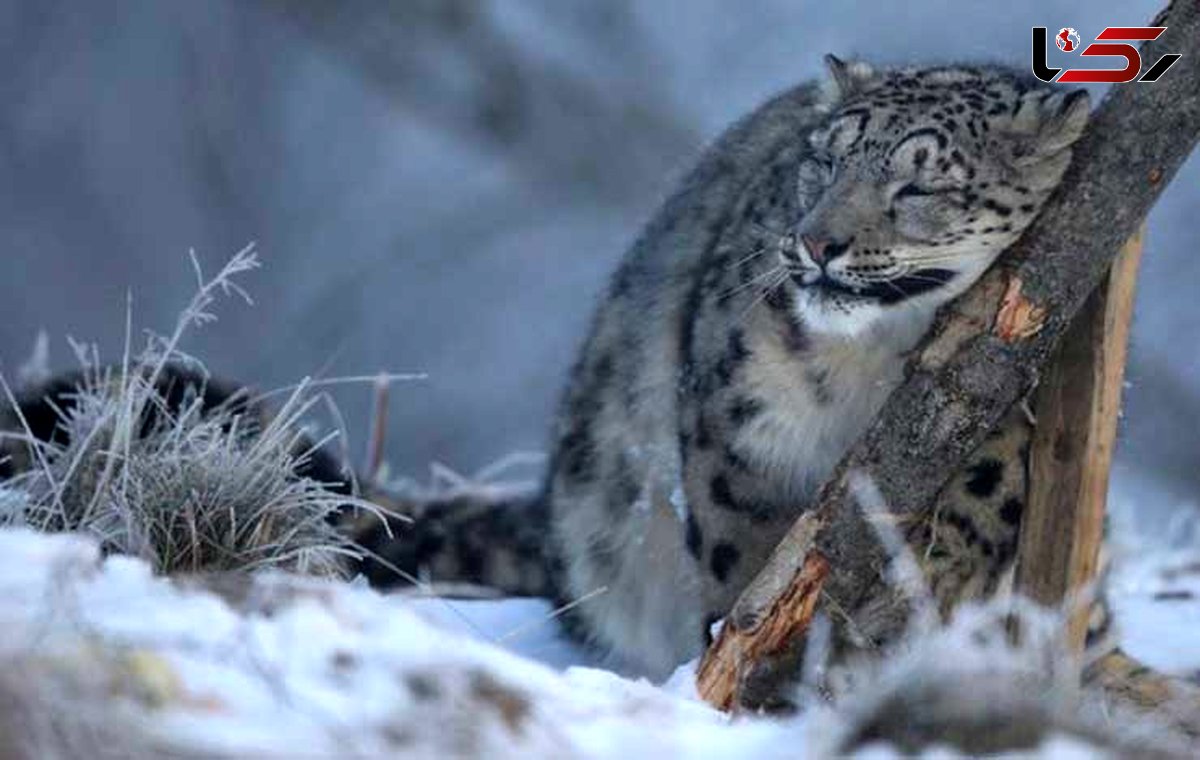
{"x":325,"y":668}
{"x":1156,"y":597}
{"x":525,"y":627}
{"x":289,"y":667}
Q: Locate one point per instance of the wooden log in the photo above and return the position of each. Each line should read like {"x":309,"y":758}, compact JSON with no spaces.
{"x":1076,"y":406}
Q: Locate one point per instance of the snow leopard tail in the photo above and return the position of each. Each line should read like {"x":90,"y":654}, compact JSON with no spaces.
{"x":1125,"y":684}
{"x":38,"y":412}
{"x":483,"y":535}
{"x":488,"y":536}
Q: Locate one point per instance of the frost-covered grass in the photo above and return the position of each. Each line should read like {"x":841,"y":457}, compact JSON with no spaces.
{"x":200,"y":490}
{"x":184,"y":487}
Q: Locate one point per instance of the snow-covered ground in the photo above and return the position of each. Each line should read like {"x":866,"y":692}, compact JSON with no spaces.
{"x":291,"y":667}
{"x":296,"y":667}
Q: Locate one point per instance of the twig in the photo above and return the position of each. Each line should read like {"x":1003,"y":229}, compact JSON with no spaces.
{"x":379,"y":414}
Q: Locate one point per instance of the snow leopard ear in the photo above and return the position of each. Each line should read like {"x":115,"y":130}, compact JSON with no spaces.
{"x":1064,"y":115}
{"x":847,"y":78}
{"x":1046,"y":124}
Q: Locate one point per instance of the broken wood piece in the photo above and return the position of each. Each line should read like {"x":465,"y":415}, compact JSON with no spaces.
{"x":1019,"y":318}
{"x":772,"y":613}
{"x":1076,"y":405}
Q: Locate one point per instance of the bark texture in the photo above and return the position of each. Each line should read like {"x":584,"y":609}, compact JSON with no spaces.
{"x":766,"y":621}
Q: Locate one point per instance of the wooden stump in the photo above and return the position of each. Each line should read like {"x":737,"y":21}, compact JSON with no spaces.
{"x":1076,"y":406}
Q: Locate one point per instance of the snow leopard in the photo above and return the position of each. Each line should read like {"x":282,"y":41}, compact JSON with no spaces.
{"x":745,"y":342}
{"x":748,"y":338}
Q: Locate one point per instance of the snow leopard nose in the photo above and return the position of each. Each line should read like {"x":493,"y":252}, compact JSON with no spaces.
{"x":823,"y":250}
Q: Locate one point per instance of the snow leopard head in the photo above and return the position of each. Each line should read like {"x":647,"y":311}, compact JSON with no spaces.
{"x":915,"y":181}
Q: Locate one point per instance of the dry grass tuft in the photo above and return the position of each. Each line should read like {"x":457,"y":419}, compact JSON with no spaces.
{"x":186,"y":487}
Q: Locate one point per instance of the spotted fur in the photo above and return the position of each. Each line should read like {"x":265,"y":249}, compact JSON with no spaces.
{"x":41,"y":407}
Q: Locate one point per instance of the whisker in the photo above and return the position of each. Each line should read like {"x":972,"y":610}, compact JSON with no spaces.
{"x":891,"y":284}
{"x":906,"y":276}
{"x":917,"y":262}
{"x":747,"y":259}
{"x":763,"y":295}
{"x":764,"y":229}
{"x":756,"y":280}
{"x":924,"y":278}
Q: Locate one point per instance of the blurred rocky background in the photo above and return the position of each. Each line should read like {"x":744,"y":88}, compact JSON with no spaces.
{"x":442,"y":186}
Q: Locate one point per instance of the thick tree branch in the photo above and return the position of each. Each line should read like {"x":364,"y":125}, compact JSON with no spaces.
{"x":985,"y":351}
{"x":973,"y":366}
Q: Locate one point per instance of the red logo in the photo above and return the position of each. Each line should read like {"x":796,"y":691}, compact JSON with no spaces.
{"x":1111,"y":43}
{"x":1067,"y":39}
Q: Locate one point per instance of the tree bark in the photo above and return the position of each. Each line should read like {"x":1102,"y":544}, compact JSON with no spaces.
{"x":986,"y":349}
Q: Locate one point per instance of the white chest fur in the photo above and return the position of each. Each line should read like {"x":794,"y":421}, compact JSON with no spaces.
{"x":820,"y":400}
